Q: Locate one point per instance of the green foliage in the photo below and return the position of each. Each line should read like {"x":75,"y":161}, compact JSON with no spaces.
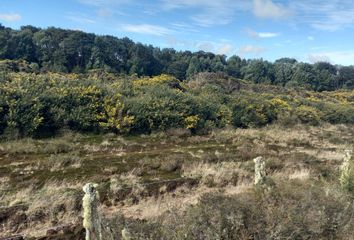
{"x":40,"y":105}
{"x":33,"y":49}
{"x":159,"y":108}
{"x":113,"y":117}
{"x":259,"y":71}
{"x":308,"y":115}
{"x":253,"y":112}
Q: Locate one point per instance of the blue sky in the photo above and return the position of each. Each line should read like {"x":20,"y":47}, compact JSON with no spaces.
{"x":308,"y":30}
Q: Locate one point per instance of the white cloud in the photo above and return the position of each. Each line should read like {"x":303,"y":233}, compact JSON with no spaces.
{"x":225,"y":49}
{"x":185,"y":28}
{"x":81,"y":19}
{"x":255,"y":34}
{"x":314,"y":58}
{"x":221,"y":47}
{"x":250,"y":49}
{"x":205,"y":46}
{"x":146,"y":29}
{"x":102,"y":3}
{"x":208,"y":12}
{"x":269,"y":9}
{"x":10,"y":17}
{"x":172,"y":41}
{"x":310,"y":38}
{"x":335,"y":20}
{"x":324,"y":15}
{"x":335,"y":57}
{"x":267,"y":34}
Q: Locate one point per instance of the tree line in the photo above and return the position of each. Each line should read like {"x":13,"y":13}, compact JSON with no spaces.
{"x":68,"y":51}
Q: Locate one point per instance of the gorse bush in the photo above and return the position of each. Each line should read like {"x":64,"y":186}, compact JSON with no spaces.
{"x":40,"y":105}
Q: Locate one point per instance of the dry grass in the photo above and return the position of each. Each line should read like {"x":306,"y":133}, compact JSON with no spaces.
{"x":54,"y":204}
{"x":60,"y":162}
{"x":31,"y":146}
{"x":218,"y":174}
{"x":302,"y":174}
{"x":220,"y":161}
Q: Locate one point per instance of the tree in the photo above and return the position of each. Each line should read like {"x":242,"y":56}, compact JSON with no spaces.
{"x":283,"y":70}
{"x":304,"y":76}
{"x":345,"y":78}
{"x":259,"y":71}
{"x":194,"y":67}
{"x":234,"y":66}
{"x":325,"y":76}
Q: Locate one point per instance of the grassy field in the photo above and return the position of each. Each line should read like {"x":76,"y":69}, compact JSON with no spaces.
{"x":176,"y":186}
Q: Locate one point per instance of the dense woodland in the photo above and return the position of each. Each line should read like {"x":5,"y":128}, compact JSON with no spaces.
{"x":68,"y":51}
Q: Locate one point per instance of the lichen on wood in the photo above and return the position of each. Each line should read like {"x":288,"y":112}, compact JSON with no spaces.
{"x":259,"y":170}
{"x":92,"y":221}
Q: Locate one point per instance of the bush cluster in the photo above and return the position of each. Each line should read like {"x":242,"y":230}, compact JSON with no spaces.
{"x":42,"y":104}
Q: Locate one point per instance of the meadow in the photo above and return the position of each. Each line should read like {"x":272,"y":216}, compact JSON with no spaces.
{"x":175,"y":185}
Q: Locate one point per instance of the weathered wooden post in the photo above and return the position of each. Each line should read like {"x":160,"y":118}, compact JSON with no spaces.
{"x":344,"y":178}
{"x":259,"y":170}
{"x":92,"y":221}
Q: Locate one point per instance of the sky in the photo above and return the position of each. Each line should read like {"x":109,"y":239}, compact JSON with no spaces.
{"x":308,"y":30}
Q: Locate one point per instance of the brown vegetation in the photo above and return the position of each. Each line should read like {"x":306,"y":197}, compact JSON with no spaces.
{"x":183,"y":187}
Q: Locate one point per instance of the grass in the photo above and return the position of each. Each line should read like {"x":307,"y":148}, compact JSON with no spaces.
{"x":302,"y":162}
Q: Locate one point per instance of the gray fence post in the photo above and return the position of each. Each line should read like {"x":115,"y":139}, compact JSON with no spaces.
{"x":92,"y":222}
{"x":345,"y":169}
{"x":259,"y":170}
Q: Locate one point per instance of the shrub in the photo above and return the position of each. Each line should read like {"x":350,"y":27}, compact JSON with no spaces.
{"x":253,"y":113}
{"x":114,"y":117}
{"x":308,"y":115}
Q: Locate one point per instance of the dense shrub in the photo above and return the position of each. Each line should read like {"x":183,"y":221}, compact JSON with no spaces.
{"x":253,"y":112}
{"x":41,"y":104}
{"x":308,"y":115}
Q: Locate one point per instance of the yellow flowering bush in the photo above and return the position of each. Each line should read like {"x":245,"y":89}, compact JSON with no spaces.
{"x":157,"y":80}
{"x":191,"y":121}
{"x":113,"y":116}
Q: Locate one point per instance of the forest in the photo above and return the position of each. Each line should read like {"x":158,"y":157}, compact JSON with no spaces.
{"x":69,"y":51}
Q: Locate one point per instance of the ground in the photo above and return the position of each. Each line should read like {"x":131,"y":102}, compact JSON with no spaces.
{"x":144,"y":177}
